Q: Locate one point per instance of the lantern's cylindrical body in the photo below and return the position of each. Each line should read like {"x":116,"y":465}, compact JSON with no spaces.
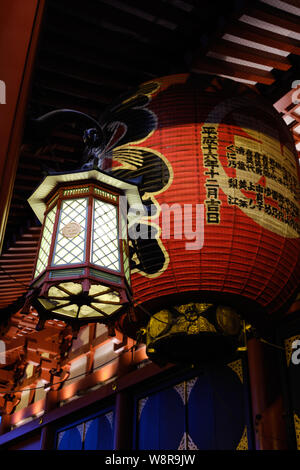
{"x":220,"y":179}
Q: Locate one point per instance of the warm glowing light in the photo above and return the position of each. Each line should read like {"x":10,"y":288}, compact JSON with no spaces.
{"x":82,"y":269}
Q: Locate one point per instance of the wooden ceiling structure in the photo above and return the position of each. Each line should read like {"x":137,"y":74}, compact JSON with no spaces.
{"x":90,"y":53}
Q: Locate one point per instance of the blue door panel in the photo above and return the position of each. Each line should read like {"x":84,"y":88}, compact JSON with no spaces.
{"x":201,"y":416}
{"x":229,"y":408}
{"x":208,"y":412}
{"x":70,"y":440}
{"x":161,"y":424}
{"x":99,"y":434}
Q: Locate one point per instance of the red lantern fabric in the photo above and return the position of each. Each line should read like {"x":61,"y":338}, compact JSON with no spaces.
{"x":234,"y":155}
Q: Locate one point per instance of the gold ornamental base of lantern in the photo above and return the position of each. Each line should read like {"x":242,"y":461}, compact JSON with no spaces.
{"x":194,"y":333}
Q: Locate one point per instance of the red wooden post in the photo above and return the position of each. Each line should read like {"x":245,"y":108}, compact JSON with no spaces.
{"x":20,"y":24}
{"x":266,"y":397}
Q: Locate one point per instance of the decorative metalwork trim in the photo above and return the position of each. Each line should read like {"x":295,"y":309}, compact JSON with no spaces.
{"x":180,"y":389}
{"x":110,"y":418}
{"x":187,"y":443}
{"x":205,"y":325}
{"x":87,"y":425}
{"x":141,"y":405}
{"x":105,"y":194}
{"x":189,"y":386}
{"x":297,"y":429}
{"x":80,"y":428}
{"x":106,"y":276}
{"x":70,"y":192}
{"x":237,"y":367}
{"x":60,"y":436}
{"x":183,"y":443}
{"x":57,"y":274}
{"x":243,"y":444}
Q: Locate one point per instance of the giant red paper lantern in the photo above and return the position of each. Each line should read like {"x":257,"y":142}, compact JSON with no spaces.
{"x":229,"y":150}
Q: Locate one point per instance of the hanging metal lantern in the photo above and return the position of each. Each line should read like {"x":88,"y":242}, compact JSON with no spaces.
{"x":82,"y":267}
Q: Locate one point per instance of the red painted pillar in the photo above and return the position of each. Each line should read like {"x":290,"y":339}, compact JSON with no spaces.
{"x":123,"y":421}
{"x":5,"y":424}
{"x":20,"y":23}
{"x":266,"y":397}
{"x":48,"y":431}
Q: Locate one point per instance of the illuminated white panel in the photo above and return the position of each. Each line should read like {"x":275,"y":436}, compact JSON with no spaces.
{"x":288,"y":119}
{"x":78,"y":367}
{"x":104,"y":354}
{"x":24,"y":400}
{"x":297,"y":129}
{"x":237,"y":79}
{"x":45,"y":242}
{"x":40,"y":392}
{"x":234,"y":60}
{"x":297,"y":110}
{"x":269,"y":27}
{"x":82,"y":338}
{"x":105,"y":244}
{"x":283,"y":6}
{"x":255,"y":45}
{"x":71,"y":249}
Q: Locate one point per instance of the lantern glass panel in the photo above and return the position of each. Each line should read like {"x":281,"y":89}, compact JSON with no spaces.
{"x":42,"y":260}
{"x":105,"y":240}
{"x":71,"y":233}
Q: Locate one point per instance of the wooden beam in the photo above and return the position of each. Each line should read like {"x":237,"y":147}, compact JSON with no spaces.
{"x":116,"y":20}
{"x":16,"y":268}
{"x":14,"y":294}
{"x":293,"y":3}
{"x":214,"y":66}
{"x":21,"y":250}
{"x":13,"y":289}
{"x":8,"y":256}
{"x":257,"y":56}
{"x":3,"y":267}
{"x":19,"y":277}
{"x":262,"y":36}
{"x":5,"y":284}
{"x":17,"y":284}
{"x":89,"y":74}
{"x":274,"y":16}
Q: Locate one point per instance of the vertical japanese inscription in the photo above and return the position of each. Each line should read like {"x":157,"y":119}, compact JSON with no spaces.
{"x":265,"y":181}
{"x":209,"y":144}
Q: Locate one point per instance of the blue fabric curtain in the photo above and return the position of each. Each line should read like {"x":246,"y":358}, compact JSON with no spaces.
{"x":94,"y":434}
{"x":99,"y":434}
{"x":208,"y":412}
{"x":162,"y":422}
{"x":70,"y":439}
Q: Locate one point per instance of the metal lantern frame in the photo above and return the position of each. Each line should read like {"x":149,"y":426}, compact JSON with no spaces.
{"x":94,"y":187}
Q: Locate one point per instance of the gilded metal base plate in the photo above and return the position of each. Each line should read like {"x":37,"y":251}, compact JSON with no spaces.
{"x":193,"y":333}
